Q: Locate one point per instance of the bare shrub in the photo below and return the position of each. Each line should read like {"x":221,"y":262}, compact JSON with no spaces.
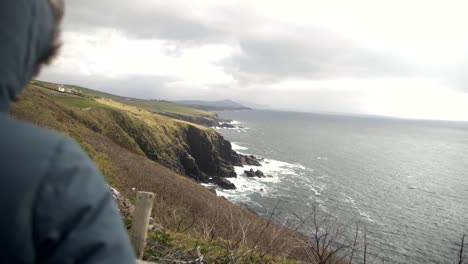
{"x":461,"y":254}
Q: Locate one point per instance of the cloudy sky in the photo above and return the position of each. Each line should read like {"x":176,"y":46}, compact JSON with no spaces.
{"x":402,"y":58}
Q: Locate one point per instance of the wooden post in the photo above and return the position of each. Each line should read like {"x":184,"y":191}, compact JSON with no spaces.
{"x":141,"y":217}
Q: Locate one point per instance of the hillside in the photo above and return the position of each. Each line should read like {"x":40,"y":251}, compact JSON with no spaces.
{"x":135,"y":148}
{"x":161,"y":107}
{"x":187,"y":148}
{"x":224,"y":105}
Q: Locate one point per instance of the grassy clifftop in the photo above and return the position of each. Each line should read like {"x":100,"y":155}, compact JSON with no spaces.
{"x":161,"y":107}
{"x":136,"y":148}
{"x":187,"y":148}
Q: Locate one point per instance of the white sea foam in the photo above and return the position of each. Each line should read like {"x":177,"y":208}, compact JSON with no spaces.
{"x":317,"y":189}
{"x":237,"y":147}
{"x":274,"y":170}
{"x":236,"y":127}
{"x":365,"y":215}
{"x":358,"y":209}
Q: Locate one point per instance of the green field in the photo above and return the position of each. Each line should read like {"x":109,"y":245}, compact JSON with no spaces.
{"x":157,"y":106}
{"x":77,"y":102}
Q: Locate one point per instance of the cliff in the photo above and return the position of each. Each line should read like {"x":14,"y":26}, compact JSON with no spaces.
{"x":136,"y":149}
{"x":189,"y":149}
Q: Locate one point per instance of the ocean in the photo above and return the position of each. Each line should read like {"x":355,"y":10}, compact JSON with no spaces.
{"x":404,"y":181}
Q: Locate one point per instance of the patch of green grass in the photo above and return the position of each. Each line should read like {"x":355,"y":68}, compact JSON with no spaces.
{"x":178,"y":111}
{"x":47,"y":90}
{"x":157,"y":106}
{"x":165,"y":106}
{"x":78,"y":102}
{"x":44,"y":85}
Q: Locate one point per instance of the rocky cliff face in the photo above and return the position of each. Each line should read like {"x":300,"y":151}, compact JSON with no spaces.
{"x":197,"y":152}
{"x":200,"y":120}
{"x":212,"y":156}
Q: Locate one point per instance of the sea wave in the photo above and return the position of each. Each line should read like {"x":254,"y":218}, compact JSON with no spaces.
{"x":236,"y":126}
{"x":359,"y":210}
{"x":237,"y":147}
{"x":275,"y":170}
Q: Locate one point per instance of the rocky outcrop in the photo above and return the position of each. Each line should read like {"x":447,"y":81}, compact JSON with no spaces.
{"x":251,"y":173}
{"x":124,"y":205}
{"x":223,"y":183}
{"x":210,"y":156}
{"x":191,"y":168}
{"x":226,"y":125}
{"x":198,"y":152}
{"x":249,"y":160}
{"x":259,"y":174}
{"x":126,"y":209}
{"x":199,"y":120}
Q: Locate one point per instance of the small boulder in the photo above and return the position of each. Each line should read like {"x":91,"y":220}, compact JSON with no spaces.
{"x":227,"y":172}
{"x":223,"y":183}
{"x":250,"y":173}
{"x":249,"y":160}
{"x":226,"y":125}
{"x":259,"y":174}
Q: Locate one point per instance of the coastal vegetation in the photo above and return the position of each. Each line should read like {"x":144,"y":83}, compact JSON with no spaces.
{"x":168,"y":149}
{"x":135,"y":148}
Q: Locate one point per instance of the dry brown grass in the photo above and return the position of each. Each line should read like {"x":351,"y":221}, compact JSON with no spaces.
{"x":181,"y":205}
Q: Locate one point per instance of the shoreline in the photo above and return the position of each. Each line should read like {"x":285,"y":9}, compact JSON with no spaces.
{"x":273,"y":171}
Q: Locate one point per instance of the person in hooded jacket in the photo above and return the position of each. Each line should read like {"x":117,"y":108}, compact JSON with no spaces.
{"x":55,"y":206}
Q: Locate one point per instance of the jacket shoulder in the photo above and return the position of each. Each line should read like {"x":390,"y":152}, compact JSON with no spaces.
{"x":26,"y":137}
{"x":26,"y":150}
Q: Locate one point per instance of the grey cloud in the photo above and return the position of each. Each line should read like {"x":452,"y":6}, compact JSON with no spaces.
{"x":309,"y":54}
{"x":269,"y":52}
{"x":291,"y":52}
{"x":140,"y":19}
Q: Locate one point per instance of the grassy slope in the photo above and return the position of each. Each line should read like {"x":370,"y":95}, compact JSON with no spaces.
{"x":155,"y":106}
{"x":191,"y":215}
{"x":159,"y":137}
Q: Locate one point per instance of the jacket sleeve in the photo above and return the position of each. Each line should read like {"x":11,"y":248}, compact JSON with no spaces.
{"x":76,"y":219}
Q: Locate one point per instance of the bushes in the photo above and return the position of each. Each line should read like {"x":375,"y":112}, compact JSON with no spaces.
{"x":197,"y":222}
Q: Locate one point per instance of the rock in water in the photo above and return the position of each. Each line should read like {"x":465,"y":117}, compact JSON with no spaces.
{"x":223,"y":183}
{"x":226,"y":125}
{"x":250,"y":173}
{"x":259,"y":174}
{"x":250,"y":160}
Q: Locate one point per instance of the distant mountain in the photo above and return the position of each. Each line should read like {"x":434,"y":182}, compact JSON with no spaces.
{"x":215,"y":105}
{"x":255,"y":105}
